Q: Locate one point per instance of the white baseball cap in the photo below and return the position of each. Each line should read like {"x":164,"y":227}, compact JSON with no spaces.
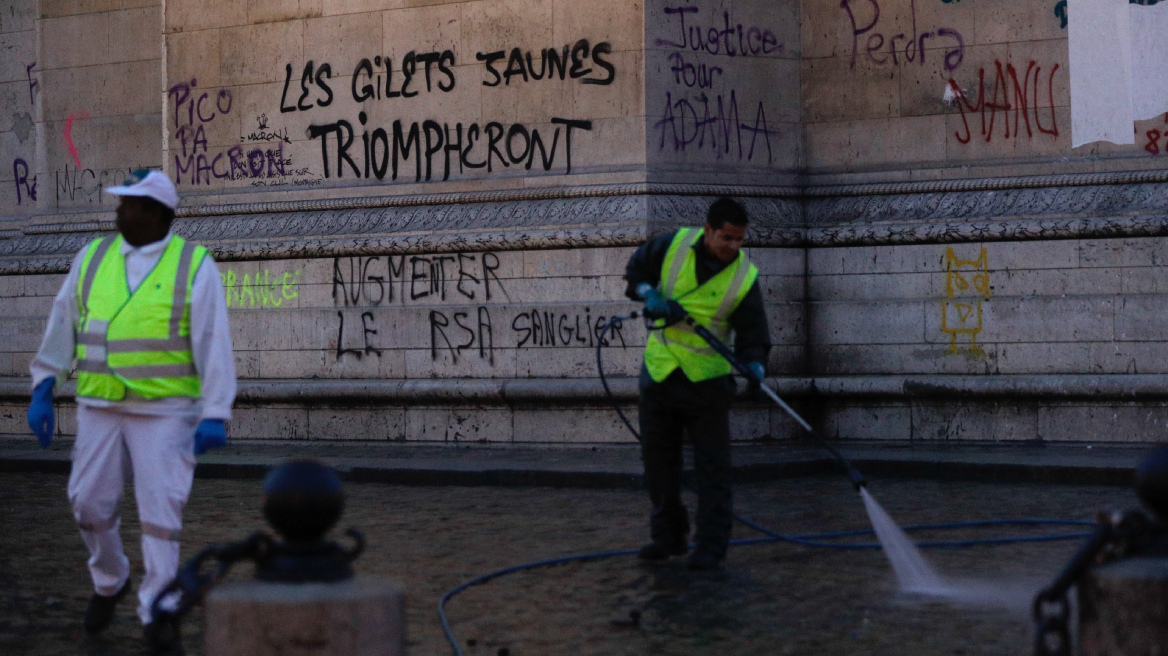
{"x":148,"y":183}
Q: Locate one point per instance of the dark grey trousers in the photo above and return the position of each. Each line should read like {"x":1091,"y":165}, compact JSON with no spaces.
{"x":669,"y":409}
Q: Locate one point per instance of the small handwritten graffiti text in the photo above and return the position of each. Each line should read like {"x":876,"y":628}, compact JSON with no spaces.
{"x":384,"y":280}
{"x":911,"y":49}
{"x":263,"y":290}
{"x":732,"y":40}
{"x":1008,"y":94}
{"x":549,"y":328}
{"x":20,"y":176}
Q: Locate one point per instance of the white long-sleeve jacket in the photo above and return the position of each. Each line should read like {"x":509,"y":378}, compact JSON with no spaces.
{"x":210,"y":338}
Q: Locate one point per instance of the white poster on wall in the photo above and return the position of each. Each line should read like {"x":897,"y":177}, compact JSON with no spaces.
{"x":1116,"y":50}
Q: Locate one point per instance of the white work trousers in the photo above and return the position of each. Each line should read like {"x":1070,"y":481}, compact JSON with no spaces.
{"x":157,"y":451}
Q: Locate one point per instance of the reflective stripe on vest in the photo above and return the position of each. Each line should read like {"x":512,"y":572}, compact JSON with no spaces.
{"x":136,"y":343}
{"x":709,"y":304}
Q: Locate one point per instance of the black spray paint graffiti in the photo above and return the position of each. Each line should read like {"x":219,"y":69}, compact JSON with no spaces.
{"x":479,"y":334}
{"x":88,"y":185}
{"x":712,"y":121}
{"x":383,"y":150}
{"x":372,"y":79}
{"x":480,"y":148}
{"x":20,"y":174}
{"x":384,"y":280}
{"x":544,"y":328}
{"x":32,"y":83}
{"x":193,"y":112}
{"x":569,"y":61}
{"x":263,"y":133}
{"x":452,"y":332}
{"x":380,"y":281}
{"x":367,"y":329}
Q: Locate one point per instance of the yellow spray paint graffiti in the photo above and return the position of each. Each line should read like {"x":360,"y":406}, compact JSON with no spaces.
{"x":263,"y":290}
{"x":967,"y":286}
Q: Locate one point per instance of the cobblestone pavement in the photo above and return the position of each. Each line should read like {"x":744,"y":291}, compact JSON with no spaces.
{"x":769,"y":599}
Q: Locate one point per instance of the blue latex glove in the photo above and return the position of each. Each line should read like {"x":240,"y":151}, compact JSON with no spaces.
{"x":41,"y":419}
{"x":657,"y":307}
{"x":759,"y":375}
{"x":757,"y":369}
{"x":210,"y":434}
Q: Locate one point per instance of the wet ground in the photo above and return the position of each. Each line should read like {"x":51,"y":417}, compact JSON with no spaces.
{"x":769,"y":599}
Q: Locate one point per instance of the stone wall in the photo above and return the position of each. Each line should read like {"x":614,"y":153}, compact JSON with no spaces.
{"x":98,"y":72}
{"x":408,"y":255}
{"x":392,"y":97}
{"x":938,"y":89}
{"x":18,"y":108}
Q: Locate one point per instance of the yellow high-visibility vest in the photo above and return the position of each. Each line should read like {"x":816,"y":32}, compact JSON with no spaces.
{"x":138,"y":343}
{"x":710,"y":305}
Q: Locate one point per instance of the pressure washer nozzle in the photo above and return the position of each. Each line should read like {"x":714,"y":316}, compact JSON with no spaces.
{"x":858,"y":479}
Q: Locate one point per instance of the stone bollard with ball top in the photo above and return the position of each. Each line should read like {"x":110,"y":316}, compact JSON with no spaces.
{"x":1121,"y":574}
{"x":304,"y":599}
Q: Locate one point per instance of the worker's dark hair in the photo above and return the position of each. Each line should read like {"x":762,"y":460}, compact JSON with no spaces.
{"x":726,"y":210}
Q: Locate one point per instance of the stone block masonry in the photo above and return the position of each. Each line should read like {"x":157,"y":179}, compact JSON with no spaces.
{"x":421,"y":212}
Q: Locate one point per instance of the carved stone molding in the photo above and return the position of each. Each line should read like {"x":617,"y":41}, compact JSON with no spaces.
{"x":985,"y":231}
{"x":991,"y":184}
{"x":501,"y":196}
{"x":1100,"y":211}
{"x":1054,"y":202}
{"x":588,"y":221}
{"x":624,"y":215}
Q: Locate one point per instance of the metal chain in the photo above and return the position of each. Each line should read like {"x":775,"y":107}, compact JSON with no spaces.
{"x":191,"y":584}
{"x":1116,"y":536}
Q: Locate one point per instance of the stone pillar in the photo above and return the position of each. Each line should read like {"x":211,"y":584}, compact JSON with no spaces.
{"x":364,"y":617}
{"x":1123,"y":608}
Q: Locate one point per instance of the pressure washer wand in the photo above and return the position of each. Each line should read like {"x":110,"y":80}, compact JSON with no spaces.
{"x":856,"y":477}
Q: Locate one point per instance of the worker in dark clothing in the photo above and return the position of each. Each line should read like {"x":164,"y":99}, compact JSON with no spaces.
{"x":684,"y":384}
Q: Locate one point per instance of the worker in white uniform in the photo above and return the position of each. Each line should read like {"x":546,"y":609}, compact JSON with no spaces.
{"x":143,"y":315}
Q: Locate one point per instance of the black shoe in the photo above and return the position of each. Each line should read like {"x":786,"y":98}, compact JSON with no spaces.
{"x":162,"y":639}
{"x":101,"y":610}
{"x":655,"y":551}
{"x":703,"y":561}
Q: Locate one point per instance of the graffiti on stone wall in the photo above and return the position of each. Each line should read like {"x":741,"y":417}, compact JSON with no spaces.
{"x":579,"y":61}
{"x":884,"y":49}
{"x":32,"y":83}
{"x":701,"y":112}
{"x":471,"y":314}
{"x":1153,"y":139}
{"x":264,"y":290}
{"x":20,"y":174}
{"x":967,"y":287}
{"x":437,"y":147}
{"x":194,"y":112}
{"x":74,"y":186}
{"x":491,"y":146}
{"x":24,"y":178}
{"x":403,"y":279}
{"x":1026,"y":99}
{"x":68,"y":134}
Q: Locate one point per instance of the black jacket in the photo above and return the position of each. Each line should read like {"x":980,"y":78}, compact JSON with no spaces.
{"x":752,"y":340}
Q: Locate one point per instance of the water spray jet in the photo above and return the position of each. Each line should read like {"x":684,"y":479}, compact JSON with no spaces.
{"x":913,"y":572}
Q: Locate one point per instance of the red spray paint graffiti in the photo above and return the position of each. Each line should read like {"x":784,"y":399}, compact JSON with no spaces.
{"x":69,"y":136}
{"x":1008,"y":94}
